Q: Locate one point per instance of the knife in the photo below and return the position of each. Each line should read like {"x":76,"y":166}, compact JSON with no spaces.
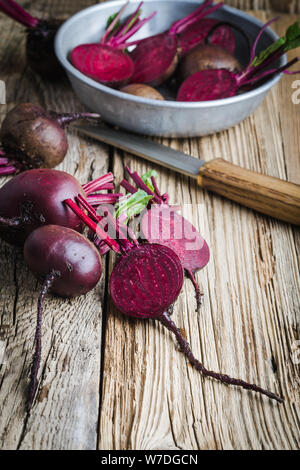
{"x":265,"y":194}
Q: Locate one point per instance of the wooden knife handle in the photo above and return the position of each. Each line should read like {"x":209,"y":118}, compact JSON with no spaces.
{"x":265,"y":194}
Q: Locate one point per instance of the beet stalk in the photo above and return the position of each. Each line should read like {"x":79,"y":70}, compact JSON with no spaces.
{"x":35,"y":137}
{"x":67,"y":264}
{"x":40,"y":40}
{"x":216,"y":84}
{"x":145,"y":281}
{"x":106,"y":62}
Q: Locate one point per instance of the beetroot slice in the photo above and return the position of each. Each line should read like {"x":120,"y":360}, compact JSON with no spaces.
{"x":155,"y":59}
{"x":146,"y":281}
{"x":103,"y":63}
{"x":197,"y":33}
{"x":208,"y":85}
{"x":162,"y":225}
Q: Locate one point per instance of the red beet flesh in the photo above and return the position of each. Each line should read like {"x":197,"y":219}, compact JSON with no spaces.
{"x":103,"y":64}
{"x":34,"y":198}
{"x":146,"y":281}
{"x":208,"y":85}
{"x":162,"y":225}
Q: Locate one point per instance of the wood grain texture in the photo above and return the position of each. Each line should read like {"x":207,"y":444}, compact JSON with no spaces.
{"x":266,"y":194}
{"x":248,"y":325}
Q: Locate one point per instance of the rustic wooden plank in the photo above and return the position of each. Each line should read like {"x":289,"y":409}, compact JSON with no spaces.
{"x":66,"y":412}
{"x":248,"y":325}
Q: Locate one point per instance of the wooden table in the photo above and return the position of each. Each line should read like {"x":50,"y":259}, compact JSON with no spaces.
{"x":108,"y":382}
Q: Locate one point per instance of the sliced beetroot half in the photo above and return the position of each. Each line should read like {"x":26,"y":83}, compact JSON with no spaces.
{"x":208,"y":85}
{"x":106,"y":62}
{"x":156,"y":58}
{"x":198,"y":32}
{"x":102,"y":63}
{"x":162,"y":224}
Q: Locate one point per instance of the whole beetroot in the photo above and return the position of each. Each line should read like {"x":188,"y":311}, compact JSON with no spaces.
{"x":67,"y":264}
{"x":35,"y":137}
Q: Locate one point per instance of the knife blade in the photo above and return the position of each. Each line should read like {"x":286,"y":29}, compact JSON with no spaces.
{"x":266,"y":194}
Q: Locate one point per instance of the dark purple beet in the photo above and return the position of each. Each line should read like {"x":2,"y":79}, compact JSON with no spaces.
{"x":146,"y":281}
{"x":61,"y":250}
{"x":107,"y":62}
{"x":34,"y":198}
{"x":67,"y":264}
{"x":35,"y":137}
{"x":40,"y":40}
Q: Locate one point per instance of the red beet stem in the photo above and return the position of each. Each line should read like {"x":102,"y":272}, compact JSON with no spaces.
{"x":113,"y":24}
{"x":257,"y":78}
{"x":253,"y":50}
{"x":198,"y":294}
{"x":93,"y":226}
{"x":141,"y":185}
{"x":16,"y":12}
{"x":121,"y":40}
{"x":201,"y":12}
{"x":98,"y":199}
{"x":38,"y":337}
{"x":104,"y":182}
{"x":185,"y":348}
{"x":129,"y":188}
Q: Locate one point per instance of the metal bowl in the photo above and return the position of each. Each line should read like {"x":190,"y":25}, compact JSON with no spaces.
{"x":160,"y":118}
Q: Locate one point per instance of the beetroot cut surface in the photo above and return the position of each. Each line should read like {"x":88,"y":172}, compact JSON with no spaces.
{"x":208,"y":85}
{"x":146,"y":281}
{"x":106,"y":62}
{"x":198,"y":32}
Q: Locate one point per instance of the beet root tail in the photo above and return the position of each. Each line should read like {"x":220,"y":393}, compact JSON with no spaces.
{"x":198,"y":294}
{"x":185,"y":347}
{"x":38,"y":338}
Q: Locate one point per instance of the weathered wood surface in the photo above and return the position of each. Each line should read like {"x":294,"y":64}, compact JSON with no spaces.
{"x":248,"y":325}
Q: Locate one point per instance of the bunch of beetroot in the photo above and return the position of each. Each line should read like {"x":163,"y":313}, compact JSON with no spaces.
{"x":147,"y":278}
{"x":33,"y":215}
